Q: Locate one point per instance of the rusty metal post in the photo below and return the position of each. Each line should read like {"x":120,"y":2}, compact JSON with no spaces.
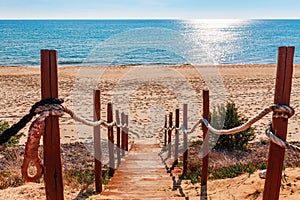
{"x":185,"y":140}
{"x":118,"y":138}
{"x":176,"y":136}
{"x":97,"y":143}
{"x":205,"y":150}
{"x":51,"y":138}
{"x":170,"y":135}
{"x":110,"y":132}
{"x":279,"y":125}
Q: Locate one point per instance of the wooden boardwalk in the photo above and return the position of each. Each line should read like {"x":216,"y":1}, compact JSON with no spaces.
{"x":142,"y":175}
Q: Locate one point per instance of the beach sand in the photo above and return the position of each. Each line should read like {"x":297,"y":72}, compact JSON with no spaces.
{"x":147,"y":94}
{"x":251,"y":87}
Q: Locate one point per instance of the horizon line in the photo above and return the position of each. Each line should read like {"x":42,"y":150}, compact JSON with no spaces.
{"x":271,"y":18}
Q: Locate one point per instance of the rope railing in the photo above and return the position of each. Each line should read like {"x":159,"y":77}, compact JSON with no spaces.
{"x":93,"y":123}
{"x":88,"y":122}
{"x":52,"y":104}
{"x":14,"y":129}
{"x":192,"y":129}
{"x":45,"y":109}
{"x":56,"y":109}
{"x":268,"y":132}
{"x":77,"y":118}
{"x":182,"y":128}
{"x":278,"y":110}
{"x":101,"y":122}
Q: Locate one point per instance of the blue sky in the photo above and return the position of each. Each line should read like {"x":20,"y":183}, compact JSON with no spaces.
{"x":150,"y":9}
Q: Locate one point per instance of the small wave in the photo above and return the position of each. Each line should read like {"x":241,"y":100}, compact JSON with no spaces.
{"x":152,"y":63}
{"x":70,"y":62}
{"x":19,"y":63}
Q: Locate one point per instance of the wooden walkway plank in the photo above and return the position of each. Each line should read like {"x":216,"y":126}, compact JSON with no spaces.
{"x":141,"y":175}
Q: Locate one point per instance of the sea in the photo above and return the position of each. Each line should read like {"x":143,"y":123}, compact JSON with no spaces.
{"x":147,"y":42}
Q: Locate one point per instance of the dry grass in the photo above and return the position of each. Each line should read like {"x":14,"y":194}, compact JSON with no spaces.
{"x":229,"y":164}
{"x":77,"y":163}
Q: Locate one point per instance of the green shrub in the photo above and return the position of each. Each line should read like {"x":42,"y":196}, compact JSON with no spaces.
{"x":3,"y":126}
{"x":195,"y":177}
{"x":195,"y":143}
{"x":14,"y":140}
{"x":232,"y":119}
{"x":79,"y":177}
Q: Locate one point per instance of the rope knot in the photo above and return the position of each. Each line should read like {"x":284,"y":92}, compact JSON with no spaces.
{"x":49,"y":107}
{"x":281,"y":110}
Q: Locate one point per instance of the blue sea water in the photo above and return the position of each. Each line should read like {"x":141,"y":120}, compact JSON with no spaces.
{"x":134,"y":42}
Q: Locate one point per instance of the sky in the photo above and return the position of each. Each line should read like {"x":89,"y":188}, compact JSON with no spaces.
{"x":149,"y":9}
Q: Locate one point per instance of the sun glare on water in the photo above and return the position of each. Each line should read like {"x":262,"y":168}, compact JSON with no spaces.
{"x":217,"y":38}
{"x":217,"y":23}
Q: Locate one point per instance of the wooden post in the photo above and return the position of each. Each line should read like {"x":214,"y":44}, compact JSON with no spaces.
{"x":205,"y":146}
{"x":170,"y":135}
{"x":118,"y":138}
{"x":126,"y":133}
{"x":185,"y":140}
{"x":51,"y":138}
{"x":166,"y":118}
{"x":123,"y":135}
{"x":110,"y":132}
{"x":97,"y":143}
{"x":279,"y":125}
{"x":176,"y":136}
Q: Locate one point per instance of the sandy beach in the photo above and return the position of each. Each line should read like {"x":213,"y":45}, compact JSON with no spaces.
{"x":251,"y":87}
{"x":147,"y":93}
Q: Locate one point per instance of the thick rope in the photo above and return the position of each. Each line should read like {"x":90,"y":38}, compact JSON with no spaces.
{"x":51,"y":104}
{"x":77,"y":118}
{"x":170,"y":128}
{"x":279,"y":141}
{"x":182,"y":128}
{"x":36,"y":130}
{"x":177,"y":128}
{"x":13,"y":130}
{"x":279,"y":111}
{"x":88,"y":122}
{"x":121,"y":125}
{"x":193,"y":128}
